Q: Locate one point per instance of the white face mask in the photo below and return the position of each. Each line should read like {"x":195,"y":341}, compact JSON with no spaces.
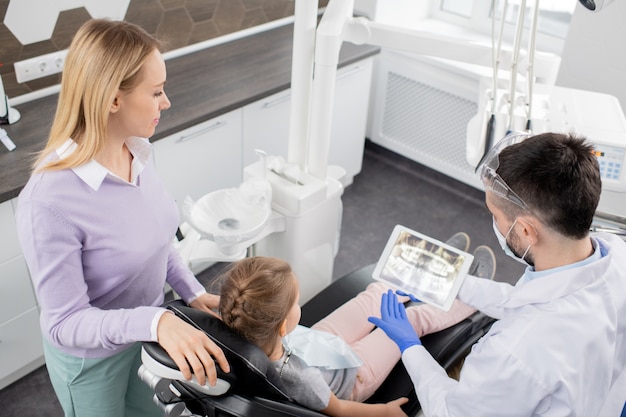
{"x":505,"y":246}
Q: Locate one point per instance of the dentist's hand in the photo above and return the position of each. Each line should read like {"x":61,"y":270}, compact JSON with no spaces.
{"x":394,"y":323}
{"x":411,"y":296}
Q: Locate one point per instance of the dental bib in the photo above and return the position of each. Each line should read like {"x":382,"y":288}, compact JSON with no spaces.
{"x":321,"y":349}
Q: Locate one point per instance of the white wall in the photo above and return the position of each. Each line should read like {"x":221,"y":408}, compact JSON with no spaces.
{"x":365,"y":8}
{"x":397,"y":12}
{"x":594,"y":57}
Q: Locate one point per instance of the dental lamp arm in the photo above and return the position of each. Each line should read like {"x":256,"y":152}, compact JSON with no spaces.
{"x":361,"y":30}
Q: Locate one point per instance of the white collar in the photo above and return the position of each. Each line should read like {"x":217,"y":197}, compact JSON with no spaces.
{"x":530,"y":273}
{"x":93,"y":174}
{"x":562,"y":281}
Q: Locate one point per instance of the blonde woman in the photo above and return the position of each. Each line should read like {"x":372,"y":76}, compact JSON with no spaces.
{"x":259,"y":300}
{"x":96,"y":226}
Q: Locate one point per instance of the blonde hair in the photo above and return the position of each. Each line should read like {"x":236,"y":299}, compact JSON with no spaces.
{"x":256,"y":296}
{"x":104,"y":57}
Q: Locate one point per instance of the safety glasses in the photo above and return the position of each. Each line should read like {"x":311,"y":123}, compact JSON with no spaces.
{"x":489,"y":177}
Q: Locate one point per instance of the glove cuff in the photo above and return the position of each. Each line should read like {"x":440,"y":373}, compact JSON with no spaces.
{"x":408,"y":343}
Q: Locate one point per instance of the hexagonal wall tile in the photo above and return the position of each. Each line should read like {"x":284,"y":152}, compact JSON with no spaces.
{"x":41,"y":24}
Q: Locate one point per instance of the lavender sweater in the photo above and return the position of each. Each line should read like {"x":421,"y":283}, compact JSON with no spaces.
{"x":99,"y":250}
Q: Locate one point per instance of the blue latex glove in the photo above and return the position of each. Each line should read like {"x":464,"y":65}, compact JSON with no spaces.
{"x":411,"y":296}
{"x":394,"y":323}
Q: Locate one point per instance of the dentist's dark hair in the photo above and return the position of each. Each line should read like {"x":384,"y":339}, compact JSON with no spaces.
{"x":558,"y":176}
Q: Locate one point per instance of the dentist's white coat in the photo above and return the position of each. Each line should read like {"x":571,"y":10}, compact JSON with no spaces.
{"x":558,"y":348}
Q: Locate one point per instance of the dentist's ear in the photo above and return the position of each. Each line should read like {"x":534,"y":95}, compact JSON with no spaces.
{"x":529,"y":230}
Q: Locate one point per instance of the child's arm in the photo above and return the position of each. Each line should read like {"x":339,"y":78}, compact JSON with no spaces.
{"x":345,"y":408}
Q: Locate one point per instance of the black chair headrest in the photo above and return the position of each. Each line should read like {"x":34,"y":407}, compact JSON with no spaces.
{"x":251,"y":372}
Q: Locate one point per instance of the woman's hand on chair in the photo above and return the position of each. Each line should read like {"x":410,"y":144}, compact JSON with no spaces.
{"x":208,"y":303}
{"x":191,"y":349}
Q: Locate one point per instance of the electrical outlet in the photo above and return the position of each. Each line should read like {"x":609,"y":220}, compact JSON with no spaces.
{"x":40,"y":66}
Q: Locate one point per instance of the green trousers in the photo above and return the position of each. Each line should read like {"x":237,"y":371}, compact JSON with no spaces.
{"x":106,"y":387}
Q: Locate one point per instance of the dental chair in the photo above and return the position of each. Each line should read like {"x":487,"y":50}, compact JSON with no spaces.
{"x":253,"y":388}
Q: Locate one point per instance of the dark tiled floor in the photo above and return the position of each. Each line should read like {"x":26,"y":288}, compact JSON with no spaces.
{"x":393,"y":190}
{"x":390,"y":190}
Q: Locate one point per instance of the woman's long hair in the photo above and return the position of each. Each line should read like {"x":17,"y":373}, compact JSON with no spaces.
{"x":104,"y":57}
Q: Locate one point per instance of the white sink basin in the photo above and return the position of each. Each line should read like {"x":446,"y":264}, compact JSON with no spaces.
{"x":231,"y":216}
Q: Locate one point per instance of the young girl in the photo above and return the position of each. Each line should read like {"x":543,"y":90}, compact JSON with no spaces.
{"x":259,"y":300}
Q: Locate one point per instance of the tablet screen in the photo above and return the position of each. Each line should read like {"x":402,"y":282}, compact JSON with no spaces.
{"x":423,"y":266}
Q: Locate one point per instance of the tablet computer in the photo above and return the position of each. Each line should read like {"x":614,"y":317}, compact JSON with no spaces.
{"x":425,"y":267}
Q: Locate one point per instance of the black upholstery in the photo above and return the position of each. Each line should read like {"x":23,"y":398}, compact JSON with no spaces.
{"x":255,"y":386}
{"x":256,"y":389}
{"x":249,"y":364}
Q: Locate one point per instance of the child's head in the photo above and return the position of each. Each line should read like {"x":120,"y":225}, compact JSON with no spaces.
{"x":259,"y":300}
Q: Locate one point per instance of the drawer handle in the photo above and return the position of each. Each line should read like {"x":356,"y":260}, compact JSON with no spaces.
{"x":275,"y":102}
{"x":207,"y":129}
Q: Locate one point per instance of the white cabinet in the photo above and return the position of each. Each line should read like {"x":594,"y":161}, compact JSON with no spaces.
{"x":20,"y":337}
{"x":347,"y":137}
{"x":16,"y":291}
{"x":266,"y":126}
{"x":266,"y":122}
{"x":202,"y":158}
{"x":8,"y":236}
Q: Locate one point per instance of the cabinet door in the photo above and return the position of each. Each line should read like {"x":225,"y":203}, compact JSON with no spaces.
{"x":266,"y":122}
{"x":9,"y":247}
{"x":20,"y":337}
{"x":21,"y":349}
{"x":266,"y":126}
{"x":16,"y":290}
{"x":201,"y":159}
{"x":347,"y":137}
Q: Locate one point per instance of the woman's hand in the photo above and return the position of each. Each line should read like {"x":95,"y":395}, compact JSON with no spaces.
{"x":191,"y":349}
{"x":208,"y":303}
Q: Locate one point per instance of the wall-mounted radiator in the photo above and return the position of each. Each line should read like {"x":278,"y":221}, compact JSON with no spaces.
{"x":421,"y":109}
